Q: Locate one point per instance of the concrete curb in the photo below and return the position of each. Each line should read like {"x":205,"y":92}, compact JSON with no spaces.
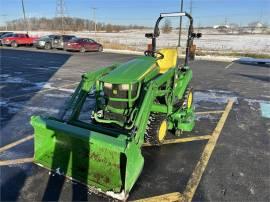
{"x":207,"y":57}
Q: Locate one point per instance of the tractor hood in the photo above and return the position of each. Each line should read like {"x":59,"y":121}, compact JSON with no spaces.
{"x":131,"y":71}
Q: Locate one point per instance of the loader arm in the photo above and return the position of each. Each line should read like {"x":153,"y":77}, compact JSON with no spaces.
{"x":78,"y":98}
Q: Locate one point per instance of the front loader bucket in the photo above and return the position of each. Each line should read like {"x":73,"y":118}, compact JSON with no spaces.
{"x":98,"y":160}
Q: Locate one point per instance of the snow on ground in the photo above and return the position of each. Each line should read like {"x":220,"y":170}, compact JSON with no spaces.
{"x":135,"y":40}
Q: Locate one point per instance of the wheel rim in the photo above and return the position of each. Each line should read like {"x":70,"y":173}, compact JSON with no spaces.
{"x":189,"y":100}
{"x":47,"y":46}
{"x":162,"y":130}
{"x":82,"y":50}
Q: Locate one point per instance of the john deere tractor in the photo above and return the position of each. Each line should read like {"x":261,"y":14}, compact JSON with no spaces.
{"x":135,"y":102}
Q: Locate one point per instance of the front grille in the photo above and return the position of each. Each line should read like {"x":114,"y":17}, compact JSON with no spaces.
{"x":114,"y":116}
{"x":116,"y":92}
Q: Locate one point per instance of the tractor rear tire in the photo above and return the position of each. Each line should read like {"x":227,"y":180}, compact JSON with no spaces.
{"x":157,"y":129}
{"x":187,"y":101}
{"x":188,"y":98}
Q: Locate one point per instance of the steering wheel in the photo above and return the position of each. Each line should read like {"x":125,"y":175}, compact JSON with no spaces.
{"x":154,"y":54}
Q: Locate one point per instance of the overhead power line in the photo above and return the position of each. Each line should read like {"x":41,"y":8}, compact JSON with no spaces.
{"x":61,"y":13}
{"x":180,"y":27}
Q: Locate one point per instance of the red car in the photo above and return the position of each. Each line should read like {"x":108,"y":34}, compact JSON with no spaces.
{"x":82,"y":45}
{"x":18,"y":39}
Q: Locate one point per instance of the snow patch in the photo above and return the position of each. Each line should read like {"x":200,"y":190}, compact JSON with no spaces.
{"x":37,"y":86}
{"x":120,"y":196}
{"x":4,"y":75}
{"x":3,"y":103}
{"x":210,"y":117}
{"x":15,"y":80}
{"x":57,"y":171}
{"x":13,"y":110}
{"x":54,"y":67}
{"x":252,"y":191}
{"x":253,"y":101}
{"x":214,"y":96}
{"x":57,"y":95}
{"x":15,"y":107}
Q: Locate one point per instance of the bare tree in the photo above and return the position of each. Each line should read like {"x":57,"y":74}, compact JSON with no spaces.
{"x":109,"y":28}
{"x":252,"y":26}
{"x":71,"y":24}
{"x":234,"y":27}
{"x":167,"y":27}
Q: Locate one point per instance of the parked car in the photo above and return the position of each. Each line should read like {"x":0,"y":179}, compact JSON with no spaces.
{"x":82,"y":45}
{"x":45,"y":42}
{"x":7,"y":34}
{"x":17,"y":39}
{"x":59,"y":40}
{"x":3,"y":33}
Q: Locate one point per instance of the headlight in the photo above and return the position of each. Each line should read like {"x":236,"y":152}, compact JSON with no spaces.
{"x":108,"y":85}
{"x":42,"y":43}
{"x":124,"y":87}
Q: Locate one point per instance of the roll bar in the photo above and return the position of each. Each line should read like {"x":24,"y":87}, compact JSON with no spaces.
{"x":191,"y":35}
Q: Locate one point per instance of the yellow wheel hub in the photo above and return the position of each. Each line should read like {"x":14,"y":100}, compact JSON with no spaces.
{"x":162,"y":130}
{"x":189,"y":100}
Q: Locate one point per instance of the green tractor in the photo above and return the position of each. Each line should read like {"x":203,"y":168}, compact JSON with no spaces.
{"x":135,"y":102}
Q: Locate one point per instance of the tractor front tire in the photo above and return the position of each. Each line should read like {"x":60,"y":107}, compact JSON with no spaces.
{"x":157,"y":129}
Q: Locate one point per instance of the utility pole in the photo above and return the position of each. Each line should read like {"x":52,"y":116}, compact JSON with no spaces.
{"x":191,"y":7}
{"x":94,"y":18}
{"x":61,"y":13}
{"x":180,"y":26}
{"x":24,"y":17}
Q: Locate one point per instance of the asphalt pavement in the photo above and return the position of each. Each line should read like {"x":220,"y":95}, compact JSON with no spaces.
{"x":35,"y":82}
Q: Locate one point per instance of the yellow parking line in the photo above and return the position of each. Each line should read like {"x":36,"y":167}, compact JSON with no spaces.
{"x":201,"y":165}
{"x":181,"y":140}
{"x":13,"y":144}
{"x":175,"y":196}
{"x":210,"y":112}
{"x":16,"y":161}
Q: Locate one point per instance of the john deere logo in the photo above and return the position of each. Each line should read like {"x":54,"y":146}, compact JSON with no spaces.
{"x":115,"y":92}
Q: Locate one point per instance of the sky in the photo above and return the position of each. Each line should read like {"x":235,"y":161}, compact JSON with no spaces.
{"x":143,"y":12}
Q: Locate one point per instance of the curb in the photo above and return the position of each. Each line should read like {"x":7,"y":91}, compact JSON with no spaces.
{"x":207,"y":57}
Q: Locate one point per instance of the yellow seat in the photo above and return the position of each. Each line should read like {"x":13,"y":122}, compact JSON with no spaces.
{"x":169,"y":60}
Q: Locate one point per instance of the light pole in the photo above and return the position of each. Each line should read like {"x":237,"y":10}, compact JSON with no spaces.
{"x":25,"y":22}
{"x":180,"y":27}
{"x":191,"y":6}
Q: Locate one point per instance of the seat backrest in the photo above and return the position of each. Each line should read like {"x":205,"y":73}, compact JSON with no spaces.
{"x":169,"y":60}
